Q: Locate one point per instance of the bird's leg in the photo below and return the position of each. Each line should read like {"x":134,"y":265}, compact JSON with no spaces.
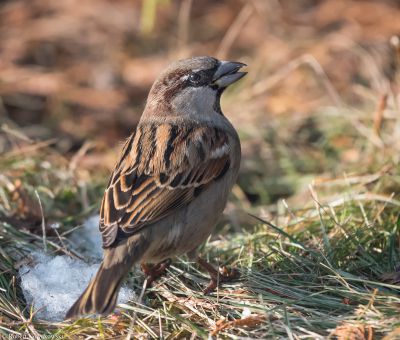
{"x":153,"y":272}
{"x":217,"y":276}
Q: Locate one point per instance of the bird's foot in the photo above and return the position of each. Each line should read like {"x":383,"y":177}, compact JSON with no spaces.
{"x":154,"y":272}
{"x":217,"y":276}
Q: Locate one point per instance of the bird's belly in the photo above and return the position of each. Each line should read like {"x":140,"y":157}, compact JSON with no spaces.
{"x":186,"y":229}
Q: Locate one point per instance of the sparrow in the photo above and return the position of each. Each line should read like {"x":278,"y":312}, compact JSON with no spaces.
{"x":171,"y":182}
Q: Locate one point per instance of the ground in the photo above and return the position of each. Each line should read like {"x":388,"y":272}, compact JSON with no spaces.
{"x":313,"y":222}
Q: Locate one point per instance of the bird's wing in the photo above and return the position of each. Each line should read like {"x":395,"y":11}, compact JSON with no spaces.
{"x":162,"y":168}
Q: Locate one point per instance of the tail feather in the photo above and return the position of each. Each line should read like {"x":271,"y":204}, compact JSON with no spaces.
{"x":100,"y":297}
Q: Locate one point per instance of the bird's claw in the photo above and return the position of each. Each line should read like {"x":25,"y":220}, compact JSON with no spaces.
{"x":154,"y":272}
{"x":225,"y":275}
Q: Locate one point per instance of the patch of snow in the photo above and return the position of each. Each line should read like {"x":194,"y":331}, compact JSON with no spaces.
{"x":52,"y":284}
{"x":87,"y":239}
{"x":246,"y":312}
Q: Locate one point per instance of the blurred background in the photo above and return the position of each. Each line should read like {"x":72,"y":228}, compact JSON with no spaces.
{"x":319,"y":121}
{"x":320,"y":100}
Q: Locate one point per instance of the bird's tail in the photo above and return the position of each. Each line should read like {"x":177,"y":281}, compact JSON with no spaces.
{"x":100,"y":297}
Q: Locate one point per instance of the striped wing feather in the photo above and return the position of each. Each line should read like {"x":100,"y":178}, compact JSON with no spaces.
{"x":161,"y":169}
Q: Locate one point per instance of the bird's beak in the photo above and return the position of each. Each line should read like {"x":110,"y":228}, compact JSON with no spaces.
{"x":227,"y":73}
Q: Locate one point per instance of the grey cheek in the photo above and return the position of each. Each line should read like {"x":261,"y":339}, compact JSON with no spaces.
{"x":196,"y":102}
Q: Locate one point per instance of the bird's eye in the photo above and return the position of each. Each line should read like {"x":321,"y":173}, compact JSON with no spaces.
{"x":195,"y":77}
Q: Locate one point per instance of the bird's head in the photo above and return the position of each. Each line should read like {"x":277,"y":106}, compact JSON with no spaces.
{"x":192,"y":87}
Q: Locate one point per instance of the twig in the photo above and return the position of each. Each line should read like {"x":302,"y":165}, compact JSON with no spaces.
{"x":380,"y":211}
{"x":378,"y":115}
{"x":183,"y":26}
{"x":135,"y":318}
{"x":71,"y":253}
{"x":30,"y":148}
{"x":281,"y":74}
{"x":15,"y":133}
{"x":318,"y":206}
{"x":79,"y":154}
{"x":278,"y":230}
{"x":351,"y":180}
{"x":43,"y":222}
{"x":250,"y":321}
{"x":234,"y":30}
{"x":340,"y":201}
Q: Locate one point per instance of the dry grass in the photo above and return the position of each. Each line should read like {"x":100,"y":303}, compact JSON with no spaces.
{"x":313,"y":224}
{"x":326,"y":268}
